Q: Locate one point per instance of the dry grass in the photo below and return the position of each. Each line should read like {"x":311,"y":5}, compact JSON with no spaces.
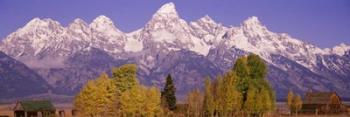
{"x":305,"y":115}
{"x":6,"y":110}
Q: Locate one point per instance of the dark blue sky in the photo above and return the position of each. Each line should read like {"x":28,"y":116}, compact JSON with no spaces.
{"x":324,"y":23}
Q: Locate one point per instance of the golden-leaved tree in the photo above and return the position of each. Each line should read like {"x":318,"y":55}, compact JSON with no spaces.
{"x":96,"y":98}
{"x":141,"y":101}
{"x":117,"y":96}
{"x":294,"y":102}
{"x":208,"y":102}
{"x":194,"y":103}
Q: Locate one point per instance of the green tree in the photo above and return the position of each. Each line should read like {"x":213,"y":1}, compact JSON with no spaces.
{"x":257,"y":67}
{"x":242,"y":71}
{"x":124,"y":77}
{"x":257,"y":95}
{"x":169,"y":93}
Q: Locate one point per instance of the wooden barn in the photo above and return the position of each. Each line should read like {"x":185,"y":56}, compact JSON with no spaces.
{"x":322,"y":103}
{"x":38,"y":108}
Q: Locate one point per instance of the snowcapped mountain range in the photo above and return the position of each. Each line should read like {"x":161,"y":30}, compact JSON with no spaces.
{"x":66,"y":57}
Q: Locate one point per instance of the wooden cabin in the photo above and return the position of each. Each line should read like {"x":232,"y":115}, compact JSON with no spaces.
{"x":38,"y":108}
{"x":322,"y":103}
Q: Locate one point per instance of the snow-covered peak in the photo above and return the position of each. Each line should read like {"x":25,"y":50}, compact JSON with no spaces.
{"x":206,"y":19}
{"x":208,"y":30}
{"x":79,"y":21}
{"x":253,"y":27}
{"x":253,"y":23}
{"x":78,"y":24}
{"x":103,"y":23}
{"x":34,"y":21}
{"x":40,"y":23}
{"x":253,"y":20}
{"x":102,"y":20}
{"x":45,"y":26}
{"x":167,"y":18}
{"x":206,"y":22}
{"x":167,"y":10}
{"x":340,"y":49}
{"x":167,"y":29}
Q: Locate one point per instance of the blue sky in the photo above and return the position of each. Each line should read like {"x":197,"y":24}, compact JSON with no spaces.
{"x":324,"y":23}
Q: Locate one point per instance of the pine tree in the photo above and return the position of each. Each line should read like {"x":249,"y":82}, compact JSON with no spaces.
{"x":169,"y":93}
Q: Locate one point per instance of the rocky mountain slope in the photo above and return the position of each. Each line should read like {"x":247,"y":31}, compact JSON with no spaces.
{"x":66,"y":57}
{"x":17,"y":80}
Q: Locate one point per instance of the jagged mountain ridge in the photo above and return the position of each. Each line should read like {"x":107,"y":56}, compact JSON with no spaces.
{"x":169,"y":44}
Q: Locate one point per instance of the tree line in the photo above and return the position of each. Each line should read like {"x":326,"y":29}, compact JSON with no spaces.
{"x":241,"y":91}
{"x":120,"y":95}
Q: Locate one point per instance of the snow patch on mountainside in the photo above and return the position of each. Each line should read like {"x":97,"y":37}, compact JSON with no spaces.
{"x":133,"y":45}
{"x":200,"y":47}
{"x":163,"y":36}
{"x":340,"y":49}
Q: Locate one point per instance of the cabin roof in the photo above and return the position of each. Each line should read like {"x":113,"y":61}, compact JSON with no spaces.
{"x":318,"y":97}
{"x":38,"y":105}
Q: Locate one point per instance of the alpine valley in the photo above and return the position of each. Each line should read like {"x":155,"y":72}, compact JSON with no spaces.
{"x":45,"y":57}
